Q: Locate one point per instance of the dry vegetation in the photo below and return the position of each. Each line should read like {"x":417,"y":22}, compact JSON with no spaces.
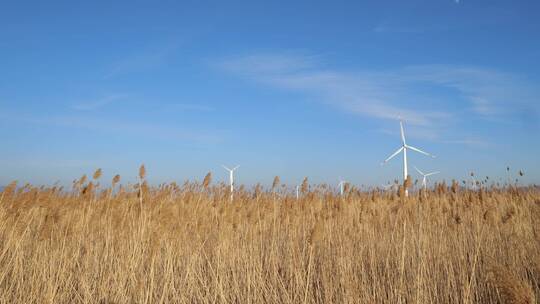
{"x":191,"y":244}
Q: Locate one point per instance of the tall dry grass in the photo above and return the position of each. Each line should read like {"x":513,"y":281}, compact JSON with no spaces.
{"x":190,"y":244}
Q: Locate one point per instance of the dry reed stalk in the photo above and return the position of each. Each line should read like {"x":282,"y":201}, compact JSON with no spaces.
{"x":9,"y":191}
{"x":305,"y":186}
{"x":275,"y":183}
{"x":97,"y":174}
{"x":189,"y":246}
{"x":115,"y":180}
{"x":142,"y":172}
{"x":510,"y":288}
{"x":142,"y":176}
{"x":407,"y":184}
{"x":207,"y":180}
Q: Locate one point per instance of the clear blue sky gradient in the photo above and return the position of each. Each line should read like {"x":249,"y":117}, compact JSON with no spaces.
{"x":292,"y":88}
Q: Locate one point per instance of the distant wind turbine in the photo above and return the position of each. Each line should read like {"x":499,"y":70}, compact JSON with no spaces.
{"x":341,"y":186}
{"x":231,"y":177}
{"x":388,"y":186}
{"x":404,"y":148}
{"x":424,"y":177}
{"x":474,"y":184}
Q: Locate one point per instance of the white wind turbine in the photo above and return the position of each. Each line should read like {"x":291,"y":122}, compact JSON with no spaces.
{"x":341,"y":185}
{"x":404,"y":148}
{"x":387,"y":187}
{"x":424,"y":176}
{"x":474,"y":184}
{"x":231,"y":177}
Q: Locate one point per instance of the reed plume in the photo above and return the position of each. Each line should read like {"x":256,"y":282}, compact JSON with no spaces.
{"x":115,"y":180}
{"x":275,"y":183}
{"x":510,"y":288}
{"x":97,"y":174}
{"x":305,"y":186}
{"x":189,"y":244}
{"x":207,"y":180}
{"x":142,"y":172}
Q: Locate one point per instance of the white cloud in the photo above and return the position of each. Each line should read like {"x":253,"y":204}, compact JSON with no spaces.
{"x":147,"y":130}
{"x":144,"y":130}
{"x":373,"y":94}
{"x":385,"y":94}
{"x":489,"y":92}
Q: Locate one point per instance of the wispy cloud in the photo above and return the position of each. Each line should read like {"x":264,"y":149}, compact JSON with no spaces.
{"x":373,"y":94}
{"x":98,"y":103}
{"x":432,"y":134}
{"x":488,"y":91}
{"x":139,"y":129}
{"x":409,"y":92}
{"x":38,"y":162}
{"x":143,"y":130}
{"x":413,"y":132}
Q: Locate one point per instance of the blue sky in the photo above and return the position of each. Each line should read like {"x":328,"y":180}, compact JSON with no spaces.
{"x":292,"y":88}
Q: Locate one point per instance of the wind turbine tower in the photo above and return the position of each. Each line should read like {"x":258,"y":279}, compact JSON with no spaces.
{"x":404,"y":147}
{"x":424,"y":177}
{"x":388,"y":186}
{"x":341,"y":186}
{"x":231,"y":177}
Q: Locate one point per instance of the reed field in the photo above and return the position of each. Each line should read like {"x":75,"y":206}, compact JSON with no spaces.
{"x":103,"y":242}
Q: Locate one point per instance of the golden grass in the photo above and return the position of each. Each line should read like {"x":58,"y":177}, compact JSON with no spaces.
{"x":191,"y":244}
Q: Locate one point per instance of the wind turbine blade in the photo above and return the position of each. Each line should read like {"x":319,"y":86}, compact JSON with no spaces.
{"x":226,"y":168}
{"x":236,"y":167}
{"x":402,"y":132}
{"x":419,"y":151}
{"x":421,"y":173}
{"x":395,"y":153}
{"x":433,"y":173}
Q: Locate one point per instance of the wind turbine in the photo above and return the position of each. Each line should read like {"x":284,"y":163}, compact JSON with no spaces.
{"x":231,"y":177}
{"x":341,"y":186}
{"x":386,"y":187}
{"x":404,"y":148}
{"x":424,"y":176}
{"x":474,"y":185}
{"x":297,"y":192}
